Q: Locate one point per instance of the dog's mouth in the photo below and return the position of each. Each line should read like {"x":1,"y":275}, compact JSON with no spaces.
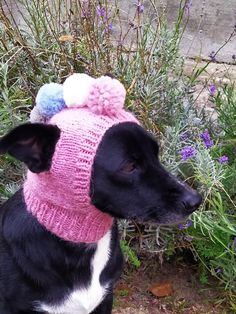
{"x":173,"y":220}
{"x":155,"y":214}
{"x":163,"y":221}
{"x":160,"y":216}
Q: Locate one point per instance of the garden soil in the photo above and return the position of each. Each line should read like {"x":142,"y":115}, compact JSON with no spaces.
{"x":188,"y":295}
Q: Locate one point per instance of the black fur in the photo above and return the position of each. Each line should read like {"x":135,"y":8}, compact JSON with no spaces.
{"x":36,"y":265}
{"x":34,"y":144}
{"x":127,"y":181}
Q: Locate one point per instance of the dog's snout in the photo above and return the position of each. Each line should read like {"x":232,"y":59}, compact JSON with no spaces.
{"x":192,"y":200}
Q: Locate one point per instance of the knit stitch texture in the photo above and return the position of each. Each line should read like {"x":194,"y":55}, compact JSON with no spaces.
{"x":59,"y":198}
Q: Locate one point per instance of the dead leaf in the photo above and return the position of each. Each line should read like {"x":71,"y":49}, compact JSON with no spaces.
{"x":66,"y":38}
{"x":163,"y":289}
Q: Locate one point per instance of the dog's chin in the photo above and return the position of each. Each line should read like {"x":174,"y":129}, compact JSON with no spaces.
{"x":173,"y":219}
{"x":173,"y":222}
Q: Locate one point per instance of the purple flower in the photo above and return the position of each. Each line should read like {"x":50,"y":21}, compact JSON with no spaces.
{"x":188,"y":152}
{"x":234,"y":57}
{"x":205,"y":136}
{"x":234,"y":242}
{"x":140,"y":7}
{"x":218,"y":270}
{"x":101,"y":11}
{"x":212,"y":56}
{"x":188,"y":238}
{"x":223,"y":159}
{"x":85,"y":9}
{"x":109,"y":27}
{"x":186,"y":225}
{"x":187,"y":6}
{"x":180,"y":226}
{"x":184,"y":136}
{"x":212,"y":89}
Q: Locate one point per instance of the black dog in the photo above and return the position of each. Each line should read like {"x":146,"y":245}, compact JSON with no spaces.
{"x":41,"y":273}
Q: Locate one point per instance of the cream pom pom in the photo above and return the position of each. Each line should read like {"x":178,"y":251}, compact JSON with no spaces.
{"x":107,"y":96}
{"x":76,"y":89}
{"x":36,"y":116}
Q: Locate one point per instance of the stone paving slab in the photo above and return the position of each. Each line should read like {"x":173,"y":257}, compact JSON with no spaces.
{"x":215,"y":71}
{"x":210,"y":23}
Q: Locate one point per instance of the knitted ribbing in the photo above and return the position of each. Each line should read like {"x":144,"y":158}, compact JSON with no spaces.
{"x":59,"y":198}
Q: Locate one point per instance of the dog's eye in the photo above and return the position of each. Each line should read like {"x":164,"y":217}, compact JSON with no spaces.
{"x":128,"y":167}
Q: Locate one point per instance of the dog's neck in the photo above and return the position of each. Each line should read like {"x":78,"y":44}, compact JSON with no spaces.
{"x":72,"y":220}
{"x":60,"y":197}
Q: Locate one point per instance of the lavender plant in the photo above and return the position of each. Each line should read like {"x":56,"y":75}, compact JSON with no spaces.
{"x":58,"y":37}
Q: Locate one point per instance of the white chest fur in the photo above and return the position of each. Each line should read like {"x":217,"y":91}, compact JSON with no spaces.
{"x":84,"y":301}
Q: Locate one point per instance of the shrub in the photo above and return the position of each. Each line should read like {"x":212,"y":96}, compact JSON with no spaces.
{"x":57,"y":38}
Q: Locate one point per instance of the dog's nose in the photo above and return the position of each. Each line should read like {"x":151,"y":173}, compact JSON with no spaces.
{"x":192,"y":200}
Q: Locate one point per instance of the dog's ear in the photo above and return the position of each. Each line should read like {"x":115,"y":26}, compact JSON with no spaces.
{"x":34,"y":144}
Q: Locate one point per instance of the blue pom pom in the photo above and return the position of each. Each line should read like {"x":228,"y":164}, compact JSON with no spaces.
{"x":50,"y":100}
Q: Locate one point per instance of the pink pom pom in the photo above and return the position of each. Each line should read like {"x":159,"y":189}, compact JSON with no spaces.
{"x":107,"y":96}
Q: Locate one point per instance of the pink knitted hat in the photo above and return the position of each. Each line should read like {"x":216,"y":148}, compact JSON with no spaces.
{"x":59,"y":198}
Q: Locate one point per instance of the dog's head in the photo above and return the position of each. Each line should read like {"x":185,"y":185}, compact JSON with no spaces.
{"x":127,"y":181}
